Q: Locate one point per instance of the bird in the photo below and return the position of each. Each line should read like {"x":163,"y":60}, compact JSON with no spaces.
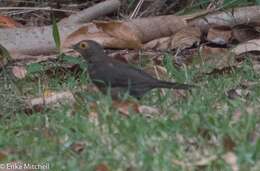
{"x":109,"y":74}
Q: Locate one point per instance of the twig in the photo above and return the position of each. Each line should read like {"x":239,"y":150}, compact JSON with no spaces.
{"x":137,"y":9}
{"x":51,"y":99}
{"x":90,"y":13}
{"x":17,"y":12}
{"x":158,"y":77}
{"x":36,"y":9}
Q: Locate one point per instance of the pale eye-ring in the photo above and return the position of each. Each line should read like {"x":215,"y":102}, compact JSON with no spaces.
{"x":83,"y":45}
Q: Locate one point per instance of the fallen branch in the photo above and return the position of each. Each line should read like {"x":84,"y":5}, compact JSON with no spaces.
{"x":36,"y":9}
{"x":53,"y":98}
{"x":243,"y":15}
{"x":39,"y":41}
{"x":93,"y":12}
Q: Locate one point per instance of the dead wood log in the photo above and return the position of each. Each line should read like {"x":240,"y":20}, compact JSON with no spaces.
{"x":39,"y":40}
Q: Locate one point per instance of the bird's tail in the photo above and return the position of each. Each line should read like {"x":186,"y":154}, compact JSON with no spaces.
{"x":167,"y":84}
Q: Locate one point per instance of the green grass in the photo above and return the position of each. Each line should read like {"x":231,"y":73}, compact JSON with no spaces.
{"x":189,"y":129}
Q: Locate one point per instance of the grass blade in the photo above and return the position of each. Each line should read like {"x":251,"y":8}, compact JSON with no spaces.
{"x":55,"y":33}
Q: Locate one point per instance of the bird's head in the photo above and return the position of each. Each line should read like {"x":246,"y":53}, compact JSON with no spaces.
{"x":90,"y":50}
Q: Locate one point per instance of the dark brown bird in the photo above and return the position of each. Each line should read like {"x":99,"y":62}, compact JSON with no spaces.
{"x":109,"y":74}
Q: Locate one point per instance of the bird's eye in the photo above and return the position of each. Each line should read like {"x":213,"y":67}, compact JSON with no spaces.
{"x":83,"y":45}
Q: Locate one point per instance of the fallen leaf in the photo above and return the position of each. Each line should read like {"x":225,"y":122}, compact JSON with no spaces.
{"x":112,"y":34}
{"x":219,"y":35}
{"x":215,"y":60}
{"x":102,"y":167}
{"x":19,"y":72}
{"x":125,"y":107}
{"x":120,"y":31}
{"x":78,"y":147}
{"x":185,"y":38}
{"x":244,"y":32}
{"x":8,"y":22}
{"x":228,"y":143}
{"x":163,"y":43}
{"x":3,"y":155}
{"x":231,"y":159}
{"x":249,"y":46}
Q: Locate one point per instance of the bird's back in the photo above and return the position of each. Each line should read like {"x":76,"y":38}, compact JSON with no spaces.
{"x":117,"y":74}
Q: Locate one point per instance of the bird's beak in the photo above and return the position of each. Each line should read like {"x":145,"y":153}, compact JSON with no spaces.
{"x":72,"y":47}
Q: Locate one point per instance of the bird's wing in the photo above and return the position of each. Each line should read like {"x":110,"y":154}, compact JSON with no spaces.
{"x":120,"y":75}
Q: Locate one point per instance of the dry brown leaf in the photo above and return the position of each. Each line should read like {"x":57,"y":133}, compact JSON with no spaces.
{"x":126,"y":107}
{"x":102,"y":167}
{"x":78,"y":147}
{"x":19,"y":72}
{"x":249,"y":46}
{"x":8,"y":22}
{"x":217,"y":59}
{"x":219,"y":35}
{"x":244,"y":32}
{"x":185,"y":38}
{"x":231,"y":159}
{"x":112,"y":34}
{"x":120,"y":31}
{"x":3,"y":155}
{"x":163,"y":43}
{"x":228,"y":143}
